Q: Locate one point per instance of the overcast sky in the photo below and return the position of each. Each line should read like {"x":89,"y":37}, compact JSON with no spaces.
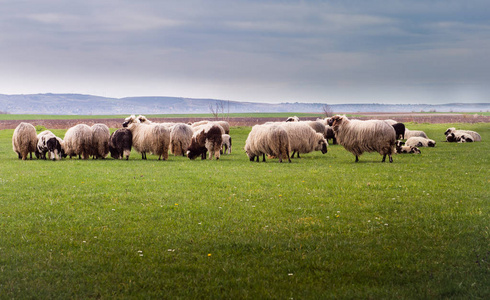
{"x":261,"y":51}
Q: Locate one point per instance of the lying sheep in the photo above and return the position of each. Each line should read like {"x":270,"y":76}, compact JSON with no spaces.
{"x":78,"y":141}
{"x":459,"y":137}
{"x":226,"y":143}
{"x":270,"y":139}
{"x":414,"y":133}
{"x":47,"y":142}
{"x":24,"y":140}
{"x":208,"y":138}
{"x":400,"y":148}
{"x":417,"y":141}
{"x":475,"y":136}
{"x":153,"y":137}
{"x":399,"y":130}
{"x":303,"y":139}
{"x":358,"y":137}
{"x":100,"y":140}
{"x":120,"y":143}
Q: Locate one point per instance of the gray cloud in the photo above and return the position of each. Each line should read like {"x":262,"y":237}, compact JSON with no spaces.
{"x":315,"y":51}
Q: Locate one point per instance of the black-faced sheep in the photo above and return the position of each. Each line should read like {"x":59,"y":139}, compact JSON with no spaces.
{"x":100,"y":140}
{"x":78,"y":141}
{"x":420,"y":142}
{"x":24,"y":140}
{"x":459,"y":137}
{"x":475,"y":136}
{"x":358,"y":137}
{"x":270,"y":139}
{"x":153,"y":137}
{"x":400,"y":148}
{"x":47,"y":142}
{"x":180,"y":138}
{"x":303,"y":139}
{"x":226,"y":143}
{"x":206,"y":139}
{"x":414,"y":133}
{"x":120,"y":143}
{"x":399,"y":130}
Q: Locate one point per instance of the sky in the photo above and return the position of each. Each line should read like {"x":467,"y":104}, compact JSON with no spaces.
{"x":330,"y":52}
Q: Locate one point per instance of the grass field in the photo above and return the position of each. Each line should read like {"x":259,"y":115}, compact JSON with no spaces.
{"x":320,"y":227}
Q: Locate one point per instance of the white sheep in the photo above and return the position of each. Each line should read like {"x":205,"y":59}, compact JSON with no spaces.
{"x":458,"y":132}
{"x":100,"y":140}
{"x":303,"y":139}
{"x":223,"y":124}
{"x":153,"y":137}
{"x":180,"y":138}
{"x":414,"y":133}
{"x":358,"y":137}
{"x":78,"y":141}
{"x":400,"y":148}
{"x":226,"y":143}
{"x":292,"y":119}
{"x":24,"y":140}
{"x":417,"y":141}
{"x":271,"y":139}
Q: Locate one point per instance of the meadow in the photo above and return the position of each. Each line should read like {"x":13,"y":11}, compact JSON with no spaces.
{"x":319,"y":227}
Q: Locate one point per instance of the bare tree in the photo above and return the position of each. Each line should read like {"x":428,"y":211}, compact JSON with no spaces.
{"x":217,"y":109}
{"x":327,"y":110}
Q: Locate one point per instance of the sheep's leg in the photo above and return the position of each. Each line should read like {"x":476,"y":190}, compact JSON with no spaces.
{"x":292,"y":155}
{"x":384,"y":157}
{"x":263,"y":157}
{"x":391,"y":158}
{"x":357,"y":158}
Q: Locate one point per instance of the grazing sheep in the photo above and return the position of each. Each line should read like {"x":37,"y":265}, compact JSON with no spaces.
{"x":417,"y":141}
{"x":153,"y":137}
{"x":292,"y":119}
{"x":414,"y":133}
{"x":48,"y":142}
{"x":180,"y":138}
{"x":358,"y":137}
{"x":78,"y":141}
{"x":120,"y":143}
{"x":226,"y":143}
{"x":100,"y":140}
{"x":24,"y":140}
{"x":271,"y":139}
{"x":399,"y":130}
{"x":399,"y":148}
{"x":475,"y":136}
{"x":303,"y":139}
{"x":206,"y":139}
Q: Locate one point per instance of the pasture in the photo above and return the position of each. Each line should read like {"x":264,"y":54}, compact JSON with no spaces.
{"x":320,"y":227}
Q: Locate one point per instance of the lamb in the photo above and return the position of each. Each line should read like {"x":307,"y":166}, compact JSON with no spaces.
{"x":153,"y":138}
{"x":206,"y":139}
{"x":303,"y":139}
{"x":399,"y":148}
{"x":78,"y":141}
{"x":100,"y":140}
{"x":414,"y":133}
{"x":271,"y":139}
{"x":120,"y":143}
{"x":474,"y":135}
{"x":180,"y":138}
{"x":48,"y":142}
{"x":226,"y":143}
{"x":417,"y":141}
{"x":24,"y":140}
{"x":358,"y":137}
{"x":399,"y":130}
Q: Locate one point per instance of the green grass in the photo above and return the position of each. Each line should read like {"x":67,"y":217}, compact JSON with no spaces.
{"x":320,"y":227}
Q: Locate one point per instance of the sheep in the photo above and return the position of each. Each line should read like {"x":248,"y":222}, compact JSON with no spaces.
{"x":303,"y":139}
{"x":399,"y":130}
{"x":358,"y":137}
{"x":206,"y":139}
{"x":78,"y":141}
{"x":414,"y":133}
{"x":120,"y":143}
{"x":459,"y":137}
{"x":271,"y":139}
{"x":153,"y":137}
{"x":417,"y":141}
{"x":317,"y":125}
{"x":329,"y":134}
{"x":24,"y":140}
{"x":399,"y":148}
{"x":48,"y":142}
{"x":292,"y":119}
{"x":224,"y":125}
{"x":100,"y":140}
{"x":145,"y":120}
{"x":226,"y":143}
{"x":474,"y":135}
{"x":391,"y":121}
{"x":180,"y":138}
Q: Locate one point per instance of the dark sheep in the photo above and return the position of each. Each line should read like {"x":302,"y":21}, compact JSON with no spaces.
{"x":399,"y":130}
{"x":120,"y":143}
{"x":207,"y":139}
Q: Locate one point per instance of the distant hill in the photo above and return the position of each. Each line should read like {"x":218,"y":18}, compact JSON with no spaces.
{"x":77,"y":104}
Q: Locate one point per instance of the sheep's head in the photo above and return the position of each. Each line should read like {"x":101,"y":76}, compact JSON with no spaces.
{"x":321,"y":144}
{"x":399,"y":143}
{"x":292,"y":119}
{"x":449,"y":130}
{"x":143,"y":119}
{"x":129,"y":120}
{"x":336,"y":121}
{"x":415,"y":150}
{"x":451,"y":138}
{"x":431,"y":143}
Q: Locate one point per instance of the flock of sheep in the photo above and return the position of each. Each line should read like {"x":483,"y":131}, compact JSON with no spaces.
{"x":280,"y":140}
